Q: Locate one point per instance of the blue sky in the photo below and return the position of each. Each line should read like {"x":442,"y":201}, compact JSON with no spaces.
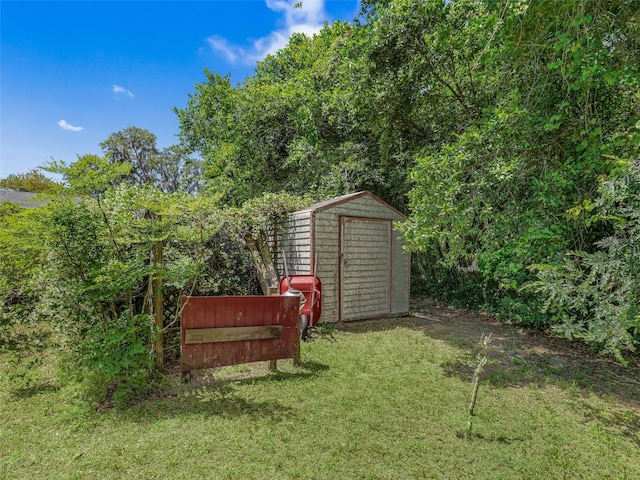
{"x":73,"y":72}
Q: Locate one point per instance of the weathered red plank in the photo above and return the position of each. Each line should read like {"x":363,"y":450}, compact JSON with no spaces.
{"x":232,"y":334}
{"x":228,"y":312}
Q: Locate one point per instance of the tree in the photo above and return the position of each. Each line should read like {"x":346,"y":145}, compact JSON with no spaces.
{"x":176,"y":171}
{"x":517,"y":185}
{"x":32,"y":181}
{"x":171,"y":169}
{"x":90,"y":174}
{"x":295,"y":125}
{"x":135,"y":146}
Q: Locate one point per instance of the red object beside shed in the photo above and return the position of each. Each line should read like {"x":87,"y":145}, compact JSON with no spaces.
{"x":305,"y":284}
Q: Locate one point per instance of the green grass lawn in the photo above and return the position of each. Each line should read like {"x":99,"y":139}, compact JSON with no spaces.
{"x":366,"y":403}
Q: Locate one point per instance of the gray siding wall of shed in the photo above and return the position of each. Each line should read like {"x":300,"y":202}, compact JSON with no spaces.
{"x":326,"y":233}
{"x":296,"y":242}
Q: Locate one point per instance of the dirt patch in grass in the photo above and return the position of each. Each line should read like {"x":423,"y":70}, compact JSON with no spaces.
{"x":517,"y":356}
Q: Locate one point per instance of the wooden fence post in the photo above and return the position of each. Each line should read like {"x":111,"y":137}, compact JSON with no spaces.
{"x":296,"y":359}
{"x":157,"y":306}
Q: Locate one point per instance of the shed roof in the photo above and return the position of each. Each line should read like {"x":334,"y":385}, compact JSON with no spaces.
{"x":347,"y":198}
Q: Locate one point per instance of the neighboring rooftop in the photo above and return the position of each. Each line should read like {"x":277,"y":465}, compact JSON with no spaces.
{"x":24,"y":199}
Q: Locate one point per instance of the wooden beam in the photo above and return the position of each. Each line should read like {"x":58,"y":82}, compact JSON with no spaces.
{"x":265,"y":267}
{"x":231,"y":334}
{"x":157,"y":307}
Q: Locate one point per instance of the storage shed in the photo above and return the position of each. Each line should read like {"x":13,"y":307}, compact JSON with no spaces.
{"x":360,"y":257}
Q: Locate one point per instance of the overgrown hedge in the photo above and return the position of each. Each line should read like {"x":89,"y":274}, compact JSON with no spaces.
{"x":91,"y":281}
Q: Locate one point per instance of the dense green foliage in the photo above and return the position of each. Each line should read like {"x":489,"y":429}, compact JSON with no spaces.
{"x":21,"y":255}
{"x":519,"y":185}
{"x":509,"y":132}
{"x":495,"y":125}
{"x":596,"y":295}
{"x":80,"y":269}
{"x":303,"y":123}
{"x":31,"y":181}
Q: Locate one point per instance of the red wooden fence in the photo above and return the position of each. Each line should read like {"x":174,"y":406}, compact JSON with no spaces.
{"x":219,"y":331}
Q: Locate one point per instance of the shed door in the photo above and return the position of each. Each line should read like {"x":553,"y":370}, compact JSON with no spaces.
{"x":365,"y":273}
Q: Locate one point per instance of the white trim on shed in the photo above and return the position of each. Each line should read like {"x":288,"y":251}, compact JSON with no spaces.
{"x":362,"y":264}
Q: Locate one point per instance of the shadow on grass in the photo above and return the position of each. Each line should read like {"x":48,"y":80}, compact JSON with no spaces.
{"x":323,"y":331}
{"x":478,"y":436}
{"x":309,"y":370}
{"x":34,"y":389}
{"x":517,"y":356}
{"x":518,"y":359}
{"x":312,"y":369}
{"x":624,"y":422}
{"x":207,"y":403}
{"x":212,"y":396}
{"x":532,"y":361}
{"x":498,"y":376}
{"x":251,"y":376}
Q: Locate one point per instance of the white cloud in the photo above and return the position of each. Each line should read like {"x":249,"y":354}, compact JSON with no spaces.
{"x":67,"y":126}
{"x":307,"y":19}
{"x":224,"y":48}
{"x":118,"y":90}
